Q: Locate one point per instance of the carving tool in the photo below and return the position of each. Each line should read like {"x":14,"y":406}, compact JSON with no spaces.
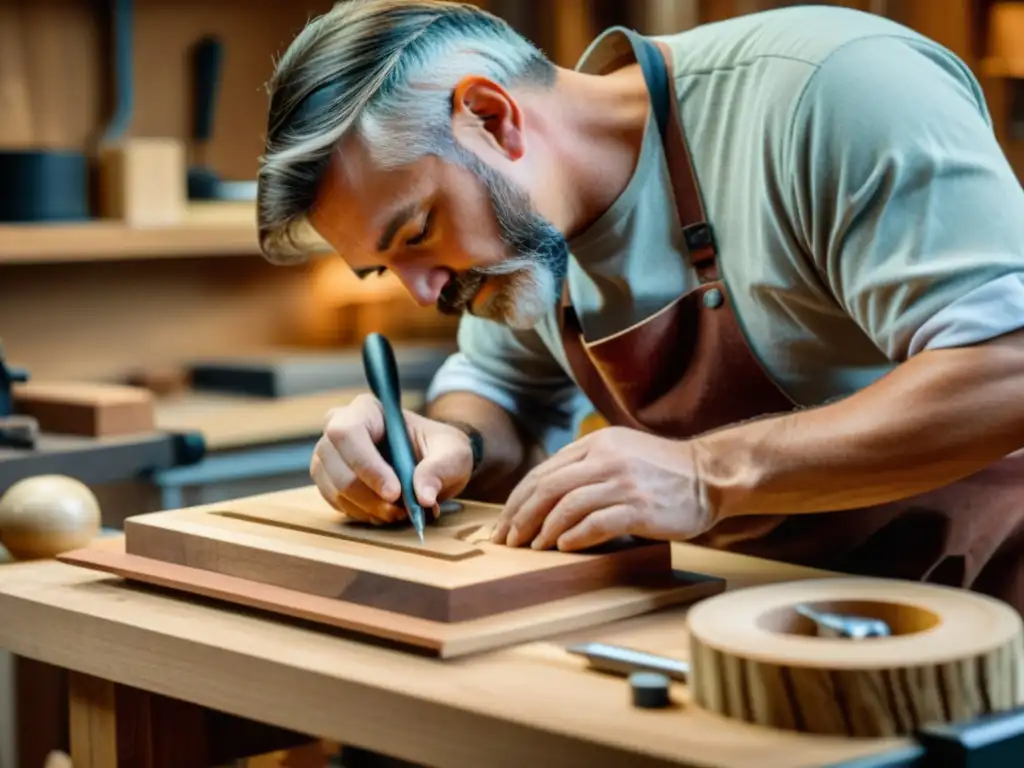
{"x":382,"y":376}
{"x":616,"y":660}
{"x":843,"y":625}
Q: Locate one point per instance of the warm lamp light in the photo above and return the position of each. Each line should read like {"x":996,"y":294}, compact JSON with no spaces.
{"x":1005,"y":41}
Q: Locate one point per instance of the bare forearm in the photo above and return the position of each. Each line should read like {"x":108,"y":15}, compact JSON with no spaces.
{"x":508,"y":452}
{"x":938,"y":417}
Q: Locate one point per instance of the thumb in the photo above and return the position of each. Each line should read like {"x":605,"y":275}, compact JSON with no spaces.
{"x":446,"y":465}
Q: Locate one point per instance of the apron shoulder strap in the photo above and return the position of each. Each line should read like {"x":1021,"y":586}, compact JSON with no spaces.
{"x":655,"y":61}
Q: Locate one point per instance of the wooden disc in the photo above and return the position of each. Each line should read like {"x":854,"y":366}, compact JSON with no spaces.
{"x":952,"y":655}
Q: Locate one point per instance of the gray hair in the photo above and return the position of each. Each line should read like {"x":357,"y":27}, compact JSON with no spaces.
{"x":384,"y":70}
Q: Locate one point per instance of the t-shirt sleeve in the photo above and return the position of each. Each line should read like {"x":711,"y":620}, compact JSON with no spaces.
{"x":902,"y":196}
{"x":515,"y":370}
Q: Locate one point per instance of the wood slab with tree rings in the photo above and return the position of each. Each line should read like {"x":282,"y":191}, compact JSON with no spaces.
{"x":952,"y":655}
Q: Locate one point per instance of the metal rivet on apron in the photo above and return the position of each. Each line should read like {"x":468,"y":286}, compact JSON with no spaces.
{"x":713,"y":299}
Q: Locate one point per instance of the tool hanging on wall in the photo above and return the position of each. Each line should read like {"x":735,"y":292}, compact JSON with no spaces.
{"x":141,"y":180}
{"x":204,"y":183}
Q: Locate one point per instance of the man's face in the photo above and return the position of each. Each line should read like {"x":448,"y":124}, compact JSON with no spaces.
{"x":454,"y":230}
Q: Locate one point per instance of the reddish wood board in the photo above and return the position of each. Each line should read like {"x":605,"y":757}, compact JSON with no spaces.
{"x":290,"y":553}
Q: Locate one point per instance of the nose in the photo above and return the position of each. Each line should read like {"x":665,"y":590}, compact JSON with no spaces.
{"x":424,"y":284}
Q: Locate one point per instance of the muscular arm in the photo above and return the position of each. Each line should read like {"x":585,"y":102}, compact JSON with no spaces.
{"x":915,"y":222}
{"x":942,"y":415}
{"x":509,"y":451}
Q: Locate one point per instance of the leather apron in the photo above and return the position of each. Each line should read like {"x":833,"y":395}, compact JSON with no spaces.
{"x":688,"y":369}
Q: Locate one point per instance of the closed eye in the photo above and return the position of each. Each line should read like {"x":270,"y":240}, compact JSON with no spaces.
{"x":362,"y":274}
{"x":423,"y":234}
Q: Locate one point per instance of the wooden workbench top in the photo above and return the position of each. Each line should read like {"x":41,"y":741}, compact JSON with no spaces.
{"x":234,"y":421}
{"x":527,"y":705}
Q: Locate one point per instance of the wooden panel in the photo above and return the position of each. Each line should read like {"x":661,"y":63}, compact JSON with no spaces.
{"x":103,"y":320}
{"x":667,"y":17}
{"x":297,"y":542}
{"x":50,"y":74}
{"x":445,"y":640}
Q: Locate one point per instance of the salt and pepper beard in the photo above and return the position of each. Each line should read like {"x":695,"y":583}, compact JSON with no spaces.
{"x":536,"y":265}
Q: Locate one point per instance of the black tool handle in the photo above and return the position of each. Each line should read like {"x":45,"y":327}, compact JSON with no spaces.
{"x":207,"y":56}
{"x":382,"y":376}
{"x":123,"y":13}
{"x":9,"y":376}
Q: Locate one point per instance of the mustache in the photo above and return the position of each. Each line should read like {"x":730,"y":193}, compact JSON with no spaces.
{"x":459,"y":291}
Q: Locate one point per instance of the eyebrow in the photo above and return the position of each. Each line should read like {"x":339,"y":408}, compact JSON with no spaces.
{"x":393,"y":226}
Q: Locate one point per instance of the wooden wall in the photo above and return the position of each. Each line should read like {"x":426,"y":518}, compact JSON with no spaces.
{"x":95,"y":315}
{"x":100,"y":312}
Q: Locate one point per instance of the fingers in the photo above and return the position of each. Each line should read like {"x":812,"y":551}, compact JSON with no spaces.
{"x":357,"y":501}
{"x":445,"y":468}
{"x":348,"y":468}
{"x":353,"y":431}
{"x":363,"y":504}
{"x":598,"y":527}
{"x":323,"y":482}
{"x":521,"y":522}
{"x":568,"y":455}
{"x":570,"y":511}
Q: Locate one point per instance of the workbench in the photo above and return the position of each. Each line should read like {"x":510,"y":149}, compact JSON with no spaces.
{"x":96,"y":462}
{"x":526,"y":705}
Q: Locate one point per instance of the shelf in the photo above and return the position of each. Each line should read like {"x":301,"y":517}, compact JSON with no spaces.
{"x":207,"y":229}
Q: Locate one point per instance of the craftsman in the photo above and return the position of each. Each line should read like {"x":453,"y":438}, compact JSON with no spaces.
{"x":782,"y":255}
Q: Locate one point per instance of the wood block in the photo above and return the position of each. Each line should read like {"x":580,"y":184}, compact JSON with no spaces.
{"x":454,"y":576}
{"x":87,"y":409}
{"x":441,"y":639}
{"x":291,"y":554}
{"x":142,"y":182}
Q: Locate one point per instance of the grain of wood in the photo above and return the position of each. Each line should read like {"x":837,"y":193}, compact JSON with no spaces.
{"x":953,"y":656}
{"x":478,"y":710}
{"x":437,"y":582}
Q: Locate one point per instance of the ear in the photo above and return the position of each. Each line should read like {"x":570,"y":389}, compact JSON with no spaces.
{"x":483,"y":110}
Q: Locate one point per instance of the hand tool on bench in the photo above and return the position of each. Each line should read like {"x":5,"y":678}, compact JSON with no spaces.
{"x":616,"y":660}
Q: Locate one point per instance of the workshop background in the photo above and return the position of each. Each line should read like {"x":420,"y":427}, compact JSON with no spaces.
{"x":115,"y":269}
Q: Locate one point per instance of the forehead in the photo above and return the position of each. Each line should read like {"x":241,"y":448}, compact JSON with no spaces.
{"x":357,"y":198}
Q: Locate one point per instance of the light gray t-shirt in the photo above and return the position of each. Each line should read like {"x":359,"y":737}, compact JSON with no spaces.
{"x":862,"y":206}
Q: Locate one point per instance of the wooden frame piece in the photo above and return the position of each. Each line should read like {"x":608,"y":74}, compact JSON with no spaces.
{"x":440,"y":639}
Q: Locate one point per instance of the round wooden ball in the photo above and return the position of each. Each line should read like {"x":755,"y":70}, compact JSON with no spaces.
{"x":43,"y":516}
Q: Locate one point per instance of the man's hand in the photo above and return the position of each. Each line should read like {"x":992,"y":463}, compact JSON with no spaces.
{"x":354,"y":478}
{"x":611,"y":483}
